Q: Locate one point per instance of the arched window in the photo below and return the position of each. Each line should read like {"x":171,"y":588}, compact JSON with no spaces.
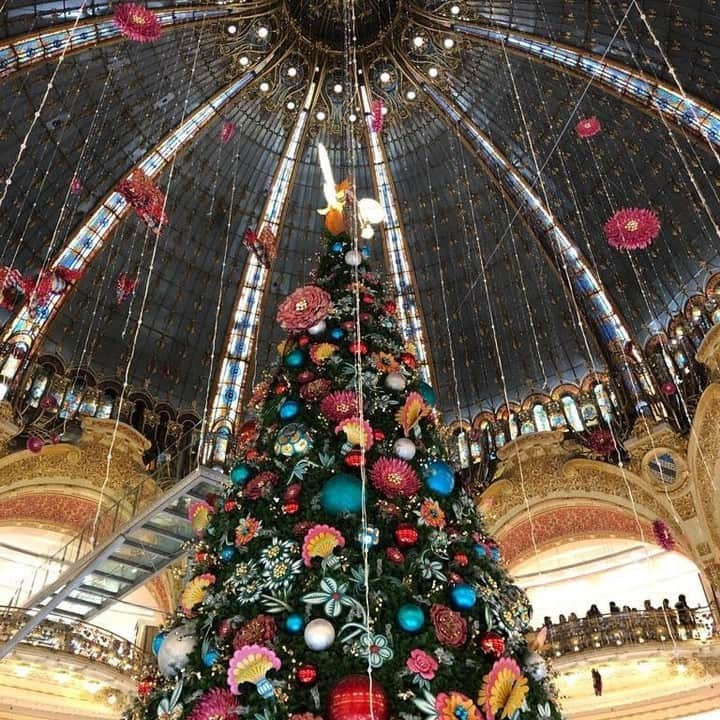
{"x":463,"y":449}
{"x":571,"y":413}
{"x":603,"y":402}
{"x":541,"y":417}
{"x":39,"y":383}
{"x":513,"y":426}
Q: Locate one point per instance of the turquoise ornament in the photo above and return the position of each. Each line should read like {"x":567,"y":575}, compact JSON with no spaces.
{"x":481,"y":551}
{"x":463,"y":597}
{"x":157,"y":642}
{"x":210,"y":658}
{"x":227,"y":553}
{"x":337,"y":333}
{"x":410,"y":618}
{"x":365,"y":250}
{"x":294,"y":623}
{"x":295,"y":359}
{"x":240,"y":474}
{"x":427,"y":393}
{"x":341,"y":494}
{"x":293,"y":439}
{"x":289,"y":409}
{"x":439,"y":477}
{"x":337,"y":247}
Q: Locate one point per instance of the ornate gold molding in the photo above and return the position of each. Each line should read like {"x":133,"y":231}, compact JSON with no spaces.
{"x":709,"y":352}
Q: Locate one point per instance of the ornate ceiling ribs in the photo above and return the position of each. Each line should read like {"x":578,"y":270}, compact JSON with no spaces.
{"x":25,"y":51}
{"x":242,"y":333}
{"x":397,"y":257}
{"x":89,"y":238}
{"x":594,"y":301}
{"x":655,"y":97}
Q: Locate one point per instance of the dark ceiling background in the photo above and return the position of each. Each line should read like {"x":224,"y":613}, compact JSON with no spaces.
{"x":111,"y":104}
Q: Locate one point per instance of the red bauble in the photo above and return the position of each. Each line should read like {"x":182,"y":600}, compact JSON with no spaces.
{"x":201,"y":556}
{"x":291,"y":508}
{"x":349,"y":325}
{"x":492,"y":643}
{"x":456,"y":579}
{"x":378,"y":435}
{"x":389,"y":308}
{"x":354,"y":459}
{"x":669,"y":388}
{"x":353,"y":699}
{"x":280,"y":389}
{"x":357,"y":347}
{"x":34,"y":444}
{"x":292,"y":493}
{"x":408,"y":359}
{"x":306,"y":376}
{"x":145,"y":686}
{"x":394,"y":556}
{"x":230,"y":505}
{"x":461,"y":559}
{"x":303,"y":340}
{"x":365,"y":317}
{"x":307,"y":674}
{"x":368,"y":299}
{"x":406,"y":536}
{"x":224,"y":628}
{"x":252,"y":454}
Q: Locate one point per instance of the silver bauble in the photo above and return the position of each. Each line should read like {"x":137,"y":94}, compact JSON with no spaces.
{"x":535,"y":666}
{"x":353,"y":258}
{"x":395,"y":381}
{"x":318,"y":328}
{"x":319,"y":634}
{"x":175,"y":650}
{"x":404,"y":448}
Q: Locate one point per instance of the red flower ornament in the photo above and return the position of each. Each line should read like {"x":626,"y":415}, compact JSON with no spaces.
{"x":588,"y":127}
{"x":137,"y":23}
{"x":632,"y":229}
{"x":304,"y":308}
{"x":394,"y":478}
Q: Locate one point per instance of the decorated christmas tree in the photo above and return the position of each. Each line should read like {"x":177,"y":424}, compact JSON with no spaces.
{"x":344,"y":574}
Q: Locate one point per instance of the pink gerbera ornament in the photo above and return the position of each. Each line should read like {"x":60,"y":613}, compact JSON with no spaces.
{"x":632,"y":229}
{"x":588,"y":127}
{"x":137,"y":22}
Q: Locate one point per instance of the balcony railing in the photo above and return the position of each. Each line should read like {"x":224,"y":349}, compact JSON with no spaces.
{"x":633,"y":628}
{"x":79,"y":639}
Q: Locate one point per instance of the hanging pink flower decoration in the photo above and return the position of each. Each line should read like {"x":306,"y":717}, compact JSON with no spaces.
{"x":75,"y":185}
{"x":137,"y":23}
{"x":632,"y":229}
{"x":304,"y":308}
{"x":602,"y":442}
{"x":12,"y":286}
{"x":264,"y":245}
{"x":145,"y":197}
{"x":124,"y":287}
{"x":588,"y":127}
{"x":215,"y":704}
{"x":378,"y":117}
{"x":227,"y":131}
{"x":41,"y":288}
{"x":663,"y":535}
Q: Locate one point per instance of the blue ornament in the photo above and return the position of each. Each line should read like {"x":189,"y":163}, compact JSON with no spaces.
{"x":337,"y":333}
{"x":439,"y":477}
{"x":240,"y":473}
{"x":463,"y":597}
{"x":369,"y":537}
{"x":210,"y":658}
{"x":295,"y":359}
{"x":337,"y":247}
{"x":365,"y":250}
{"x":495,"y":554}
{"x":341,"y":494}
{"x":427,"y":393}
{"x":289,"y":409}
{"x":481,"y":551}
{"x":157,"y":642}
{"x":294,"y":623}
{"x":227,"y":553}
{"x":410,"y":618}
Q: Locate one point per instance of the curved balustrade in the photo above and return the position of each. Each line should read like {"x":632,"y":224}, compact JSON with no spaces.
{"x":79,"y":639}
{"x":633,"y":628}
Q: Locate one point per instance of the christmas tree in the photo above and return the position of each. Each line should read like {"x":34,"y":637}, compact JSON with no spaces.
{"x":344,"y":574}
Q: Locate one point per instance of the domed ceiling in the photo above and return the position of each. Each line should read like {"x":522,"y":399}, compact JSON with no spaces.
{"x":504,"y":309}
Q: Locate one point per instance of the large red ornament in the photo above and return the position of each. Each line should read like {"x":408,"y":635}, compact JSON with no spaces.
{"x":669,"y":388}
{"x":145,"y":686}
{"x":358,"y":347}
{"x":406,"y":536}
{"x":34,"y":444}
{"x":354,"y":459}
{"x":492,"y":643}
{"x":353,"y":699}
{"x":145,"y":197}
{"x":230,"y":505}
{"x":303,"y":340}
{"x":394,"y":556}
{"x":262,"y":245}
{"x":307,"y":674}
{"x":461,"y":559}
{"x":291,"y":508}
{"x":378,"y":435}
{"x":408,"y":360}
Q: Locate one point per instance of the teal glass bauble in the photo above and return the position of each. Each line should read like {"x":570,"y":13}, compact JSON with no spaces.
{"x":427,"y":393}
{"x":341,"y":494}
{"x":293,"y":439}
{"x":410,"y":618}
{"x":439,"y":477}
{"x":157,"y":642}
{"x":289,"y":409}
{"x":337,"y":247}
{"x":337,"y":333}
{"x":463,"y":597}
{"x":227,"y":553}
{"x":210,"y":658}
{"x":294,"y":623}
{"x":295,"y":359}
{"x":240,"y":474}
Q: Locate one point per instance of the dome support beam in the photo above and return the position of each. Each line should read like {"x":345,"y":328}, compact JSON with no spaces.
{"x":397,"y":257}
{"x":652,"y":96}
{"x":31,"y":49}
{"x":241,"y":337}
{"x":590,"y":298}
{"x":89,"y":238}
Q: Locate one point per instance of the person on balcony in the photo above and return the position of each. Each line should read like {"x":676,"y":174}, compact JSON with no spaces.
{"x":593,"y":612}
{"x":686,"y":617}
{"x":614,"y":609}
{"x":669,"y":619}
{"x":596,"y":681}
